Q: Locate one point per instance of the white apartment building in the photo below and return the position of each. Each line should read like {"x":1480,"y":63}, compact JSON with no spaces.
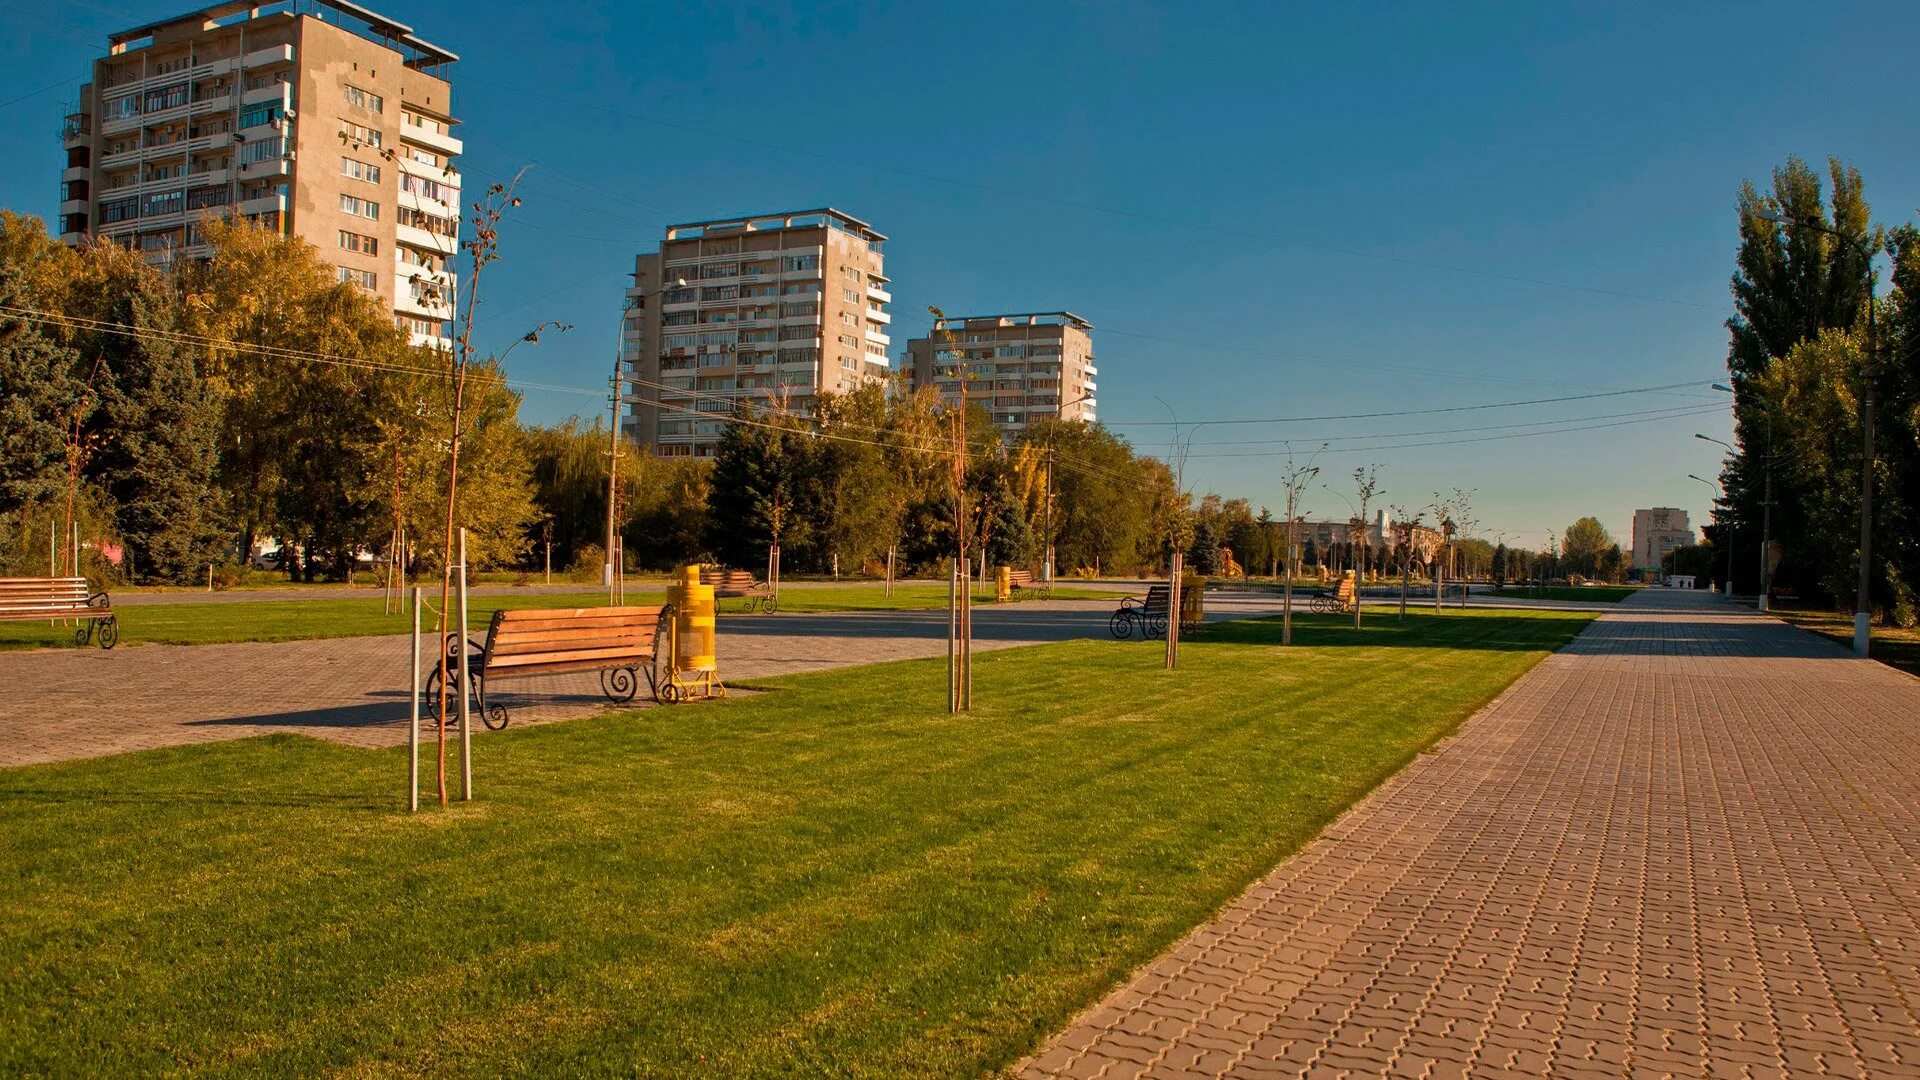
{"x":748,"y":314}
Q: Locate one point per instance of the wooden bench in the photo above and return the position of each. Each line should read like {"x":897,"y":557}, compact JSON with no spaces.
{"x":729,"y":584}
{"x":1148,"y":615}
{"x":1022,"y":581}
{"x":33,"y":599}
{"x":621,"y":643}
{"x":1341,"y":599}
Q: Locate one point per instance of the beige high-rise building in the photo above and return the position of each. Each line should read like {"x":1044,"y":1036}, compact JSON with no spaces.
{"x":747,"y":314}
{"x":1656,"y":532}
{"x":1020,"y":368}
{"x":319,"y":119}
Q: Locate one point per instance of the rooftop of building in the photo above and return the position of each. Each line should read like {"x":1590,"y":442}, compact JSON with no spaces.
{"x":1023,"y":318}
{"x":353,"y":18}
{"x":782,"y":219}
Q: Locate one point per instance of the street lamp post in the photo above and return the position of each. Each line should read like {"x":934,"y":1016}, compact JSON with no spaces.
{"x":611,"y":568}
{"x":1862,"y":614}
{"x":1716,"y":490}
{"x":1766,"y":508}
{"x":1047,"y":570}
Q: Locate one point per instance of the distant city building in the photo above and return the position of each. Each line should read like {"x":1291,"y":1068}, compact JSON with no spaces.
{"x":1656,"y":532}
{"x":323,"y":120}
{"x":755,"y":312}
{"x":1382,"y":532}
{"x":1020,"y":368}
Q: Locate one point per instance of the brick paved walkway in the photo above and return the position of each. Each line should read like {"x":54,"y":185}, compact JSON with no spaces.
{"x":62,"y":704}
{"x":1687,"y":845}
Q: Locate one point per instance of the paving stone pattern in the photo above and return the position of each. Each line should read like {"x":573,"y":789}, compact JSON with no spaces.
{"x":62,"y":704}
{"x":1687,"y":845}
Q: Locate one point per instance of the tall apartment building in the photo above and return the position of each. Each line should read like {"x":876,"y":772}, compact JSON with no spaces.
{"x":1021,"y":368}
{"x":317,"y":118}
{"x":1656,"y":532}
{"x":754,"y":313}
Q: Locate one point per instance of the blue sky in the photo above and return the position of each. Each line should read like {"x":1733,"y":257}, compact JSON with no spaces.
{"x":1257,"y":206}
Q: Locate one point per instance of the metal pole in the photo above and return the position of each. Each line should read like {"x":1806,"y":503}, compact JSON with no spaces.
{"x":413,"y":715}
{"x":1049,"y":566}
{"x":966,"y":644}
{"x":466,"y":688}
{"x":1173,"y":610}
{"x":1406,"y":572}
{"x":1862,"y":615}
{"x":1766,"y":523}
{"x":953,"y":629}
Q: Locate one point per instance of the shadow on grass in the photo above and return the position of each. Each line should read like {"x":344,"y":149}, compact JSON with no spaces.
{"x":298,"y":800}
{"x":1500,"y":633}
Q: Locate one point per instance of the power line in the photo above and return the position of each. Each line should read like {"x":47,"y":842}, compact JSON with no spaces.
{"x":1671,"y":410}
{"x":1407,"y":412}
{"x":1487,"y":438}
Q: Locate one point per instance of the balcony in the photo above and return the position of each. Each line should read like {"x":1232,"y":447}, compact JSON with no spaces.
{"x":265,"y":204}
{"x":278,"y":54}
{"x":439,"y":142}
{"x":277,"y":93}
{"x":432,"y":207}
{"x":875,"y":292}
{"x":269,"y":167}
{"x":876,"y":315}
{"x":406,"y":303}
{"x":423,"y":240}
{"x":877,"y":337}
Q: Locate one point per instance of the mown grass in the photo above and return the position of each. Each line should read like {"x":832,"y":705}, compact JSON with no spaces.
{"x":833,"y":877}
{"x":1596,"y":594}
{"x":214,"y":622}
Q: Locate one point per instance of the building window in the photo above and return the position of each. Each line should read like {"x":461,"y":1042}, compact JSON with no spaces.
{"x":366,"y":279}
{"x":166,"y":97}
{"x":365,"y":136}
{"x":258,"y":150}
{"x":800,"y":262}
{"x":169,"y":202}
{"x":361,"y":99}
{"x":420,"y":185}
{"x":353,"y":241}
{"x":253,"y":116}
{"x":359,"y":170}
{"x":425,"y":222}
{"x":201,"y":198}
{"x":358,"y":207}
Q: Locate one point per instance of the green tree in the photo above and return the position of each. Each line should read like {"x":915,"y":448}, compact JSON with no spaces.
{"x":1792,"y":282}
{"x":1582,"y":547}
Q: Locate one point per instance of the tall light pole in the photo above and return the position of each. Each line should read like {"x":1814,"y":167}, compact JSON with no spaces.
{"x":610,"y":568}
{"x":1716,"y":491}
{"x":1766,"y":508}
{"x":1863,"y":612}
{"x":1048,"y":569}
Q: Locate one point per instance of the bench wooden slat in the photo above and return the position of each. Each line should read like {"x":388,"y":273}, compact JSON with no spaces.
{"x":501,"y":650}
{"x":527,"y":671}
{"x":610,"y":656}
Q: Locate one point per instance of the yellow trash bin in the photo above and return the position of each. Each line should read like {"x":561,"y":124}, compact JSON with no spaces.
{"x":1193,"y":599}
{"x":1002,"y":584}
{"x":692,"y":665}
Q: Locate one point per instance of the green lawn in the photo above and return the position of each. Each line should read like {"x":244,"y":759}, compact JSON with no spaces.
{"x":830,"y":878}
{"x":296,"y":620}
{"x":1597,"y":594}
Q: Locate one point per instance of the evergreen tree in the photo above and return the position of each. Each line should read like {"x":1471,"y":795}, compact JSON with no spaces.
{"x":162,"y":427}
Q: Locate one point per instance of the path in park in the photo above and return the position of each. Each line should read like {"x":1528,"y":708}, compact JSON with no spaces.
{"x":63,"y":704}
{"x":1688,"y":845}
